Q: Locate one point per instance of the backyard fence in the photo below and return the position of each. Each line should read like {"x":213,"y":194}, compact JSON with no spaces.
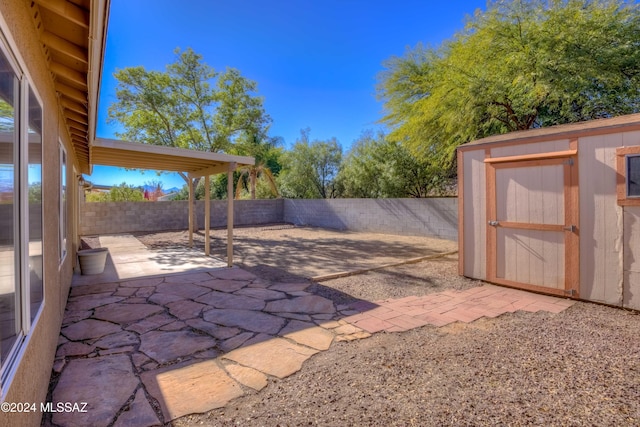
{"x":430,"y":217}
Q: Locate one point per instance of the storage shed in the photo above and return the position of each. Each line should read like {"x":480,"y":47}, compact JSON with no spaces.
{"x":555,"y":210}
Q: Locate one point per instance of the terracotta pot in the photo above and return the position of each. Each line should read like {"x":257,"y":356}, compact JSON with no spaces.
{"x":92,"y":261}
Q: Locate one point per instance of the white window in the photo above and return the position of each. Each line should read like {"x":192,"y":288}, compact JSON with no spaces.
{"x":63,"y":203}
{"x":21,"y":246}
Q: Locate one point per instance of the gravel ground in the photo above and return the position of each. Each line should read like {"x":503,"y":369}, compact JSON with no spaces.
{"x":577,"y":368}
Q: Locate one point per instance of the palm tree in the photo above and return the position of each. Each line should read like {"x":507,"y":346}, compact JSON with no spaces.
{"x":254,"y":172}
{"x":262,"y":149}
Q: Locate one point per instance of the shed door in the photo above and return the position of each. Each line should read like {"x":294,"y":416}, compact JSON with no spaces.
{"x":532,"y":235}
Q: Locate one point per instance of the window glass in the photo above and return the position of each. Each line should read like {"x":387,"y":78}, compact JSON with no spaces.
{"x":9,"y":309}
{"x":633,"y":176}
{"x":63,"y":203}
{"x":34,"y":178}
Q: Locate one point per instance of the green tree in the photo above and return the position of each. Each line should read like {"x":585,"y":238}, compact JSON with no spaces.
{"x":190,"y":105}
{"x":377,"y":167}
{"x":520,"y":64}
{"x":310,"y":168}
{"x":120,"y":193}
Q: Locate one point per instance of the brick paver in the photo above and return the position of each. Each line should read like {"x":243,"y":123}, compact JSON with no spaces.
{"x":449,"y":306}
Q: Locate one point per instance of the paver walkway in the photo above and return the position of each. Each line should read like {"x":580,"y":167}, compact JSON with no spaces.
{"x":143,"y":352}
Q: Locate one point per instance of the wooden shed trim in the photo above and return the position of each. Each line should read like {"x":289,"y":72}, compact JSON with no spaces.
{"x":536,"y":156}
{"x":570,"y":227}
{"x":627,"y":123}
{"x":621,"y":177}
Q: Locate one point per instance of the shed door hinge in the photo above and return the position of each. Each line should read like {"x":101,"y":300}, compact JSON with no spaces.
{"x":568,"y":162}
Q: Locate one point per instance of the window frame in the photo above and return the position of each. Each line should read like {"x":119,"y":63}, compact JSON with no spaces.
{"x":622,"y":183}
{"x":25,"y":320}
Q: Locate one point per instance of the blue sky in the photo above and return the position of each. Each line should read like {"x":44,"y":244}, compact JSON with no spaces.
{"x":315,"y":61}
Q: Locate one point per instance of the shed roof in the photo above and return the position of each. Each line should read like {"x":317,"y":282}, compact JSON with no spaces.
{"x":591,"y":127}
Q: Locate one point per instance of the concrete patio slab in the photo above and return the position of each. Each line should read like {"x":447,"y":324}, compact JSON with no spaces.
{"x":128,"y":258}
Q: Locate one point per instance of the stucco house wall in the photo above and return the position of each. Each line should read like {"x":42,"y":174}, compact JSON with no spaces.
{"x":30,"y":378}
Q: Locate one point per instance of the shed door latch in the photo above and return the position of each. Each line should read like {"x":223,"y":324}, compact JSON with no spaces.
{"x":571,"y":228}
{"x":493,"y":223}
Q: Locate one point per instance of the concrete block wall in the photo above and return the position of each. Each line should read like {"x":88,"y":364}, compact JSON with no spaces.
{"x":126,"y":217}
{"x":437,"y":217}
{"x":434,"y":217}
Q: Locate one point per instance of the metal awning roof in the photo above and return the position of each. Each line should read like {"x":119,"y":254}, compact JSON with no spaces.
{"x":109,"y":152}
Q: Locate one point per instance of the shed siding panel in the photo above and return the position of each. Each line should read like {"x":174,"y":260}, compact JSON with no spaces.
{"x":530,"y":194}
{"x":631,"y":294}
{"x":600,"y":220}
{"x":630,"y":139}
{"x":475,"y":261}
{"x":535,"y":148}
{"x":530,"y":256}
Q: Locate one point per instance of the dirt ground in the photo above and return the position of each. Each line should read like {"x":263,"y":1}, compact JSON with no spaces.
{"x":306,"y":251}
{"x":576,"y":368}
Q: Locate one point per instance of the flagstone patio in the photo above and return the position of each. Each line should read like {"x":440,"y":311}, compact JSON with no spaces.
{"x":143,"y":351}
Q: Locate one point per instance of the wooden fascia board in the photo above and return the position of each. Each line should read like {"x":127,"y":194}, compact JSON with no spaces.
{"x":99,"y":18}
{"x":214,"y":170}
{"x":591,"y":128}
{"x":173,"y":151}
{"x":536,"y":156}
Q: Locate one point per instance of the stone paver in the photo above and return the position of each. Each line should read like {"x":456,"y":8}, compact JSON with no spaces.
{"x":308,"y":334}
{"x":192,"y":342}
{"x":192,"y":388}
{"x":85,"y":380}
{"x":277,"y":357}
{"x":139,"y":413}
{"x":247,"y":376}
{"x":126,"y":313}
{"x":164,"y":347}
{"x":255,"y":321}
{"x":89,"y":328}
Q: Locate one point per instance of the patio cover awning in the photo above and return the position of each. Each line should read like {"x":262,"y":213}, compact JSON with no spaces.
{"x":109,"y":152}
{"x":193,"y":164}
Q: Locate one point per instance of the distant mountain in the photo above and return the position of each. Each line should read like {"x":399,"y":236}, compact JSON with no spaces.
{"x":151,"y":188}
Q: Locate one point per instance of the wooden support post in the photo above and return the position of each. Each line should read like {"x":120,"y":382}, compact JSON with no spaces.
{"x":190,"y":185}
{"x":232,"y":167}
{"x":207,"y":216}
